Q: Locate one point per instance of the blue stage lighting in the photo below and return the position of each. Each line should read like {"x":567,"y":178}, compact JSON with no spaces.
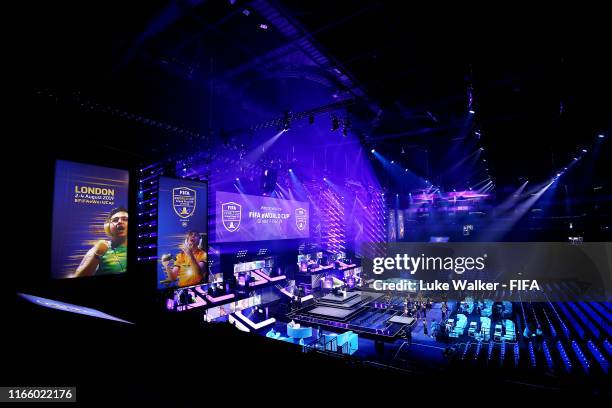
{"x":584,"y":150}
{"x":392,"y":161}
{"x":601,"y":136}
{"x":472,"y":112}
{"x":373,"y":151}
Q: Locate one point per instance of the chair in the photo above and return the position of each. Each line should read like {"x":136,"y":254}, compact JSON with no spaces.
{"x":497,"y":334}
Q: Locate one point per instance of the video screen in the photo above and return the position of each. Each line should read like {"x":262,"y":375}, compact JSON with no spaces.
{"x":90,"y":220}
{"x":182,"y":241}
{"x":241,"y":217}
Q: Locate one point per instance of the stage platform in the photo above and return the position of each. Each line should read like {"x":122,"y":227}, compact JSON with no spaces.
{"x":351,"y":301}
{"x":331,"y":312}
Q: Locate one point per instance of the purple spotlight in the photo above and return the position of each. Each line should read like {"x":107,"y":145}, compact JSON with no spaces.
{"x":601,"y":136}
{"x":472,"y":111}
{"x":558,"y":174}
{"x":584,"y":150}
{"x":373,"y":151}
{"x":237,"y":179}
{"x":324,"y":178}
{"x":263,"y":26}
{"x":290,"y":170}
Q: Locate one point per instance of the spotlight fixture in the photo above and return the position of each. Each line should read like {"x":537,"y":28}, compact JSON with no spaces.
{"x":290,"y":170}
{"x":482,"y":149}
{"x":287,"y":120}
{"x":601,"y":136}
{"x":237,"y":179}
{"x":373,"y":151}
{"x":472,"y":112}
{"x":584,"y":150}
{"x":392,"y":161}
{"x":406,"y":170}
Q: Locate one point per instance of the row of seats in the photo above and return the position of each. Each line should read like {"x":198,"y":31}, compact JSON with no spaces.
{"x":583,"y":318}
{"x":477,"y":352}
{"x":608,"y":347}
{"x":564,"y":357}
{"x":581,"y":357}
{"x":599,"y":357}
{"x":532,"y":357}
{"x":599,"y":314}
{"x":516,"y":354}
{"x":564,"y":327}
{"x":577,"y":327}
{"x":465,"y":350}
{"x":553,"y":332}
{"x":490,"y":351}
{"x":548,"y":356}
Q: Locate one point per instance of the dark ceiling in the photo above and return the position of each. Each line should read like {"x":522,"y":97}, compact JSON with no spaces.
{"x":407,"y":71}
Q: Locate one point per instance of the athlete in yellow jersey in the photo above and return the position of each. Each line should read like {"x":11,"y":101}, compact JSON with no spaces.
{"x":190,"y":265}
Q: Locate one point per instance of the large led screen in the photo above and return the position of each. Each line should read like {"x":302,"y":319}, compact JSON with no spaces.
{"x":182,"y":239}
{"x":90,"y":220}
{"x":241,"y":217}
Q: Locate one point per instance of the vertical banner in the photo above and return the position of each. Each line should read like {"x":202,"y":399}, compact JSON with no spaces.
{"x":90,"y":220}
{"x":182,"y":239}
